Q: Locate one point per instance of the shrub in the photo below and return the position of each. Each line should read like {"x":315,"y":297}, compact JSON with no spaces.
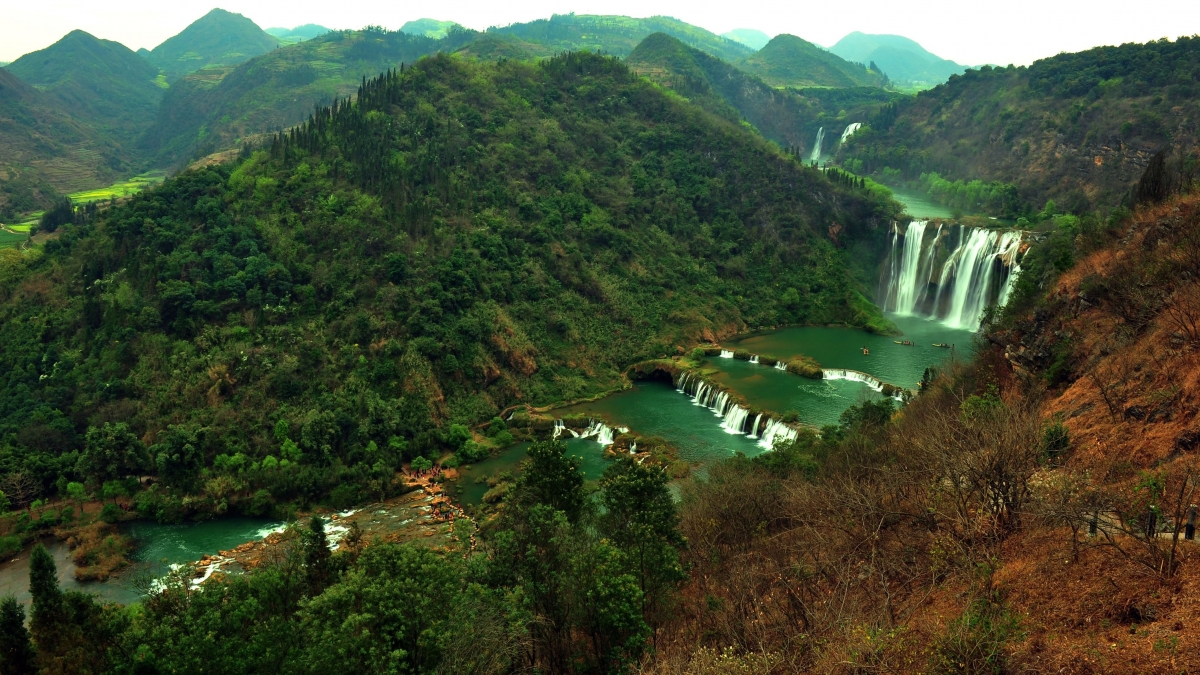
{"x":767,"y":360}
{"x":345,"y":496}
{"x":504,"y":439}
{"x":790,"y":416}
{"x":974,"y":642}
{"x":805,"y":367}
{"x":742,"y":355}
{"x":459,"y":434}
{"x":111,"y":513}
{"x":1056,"y":440}
{"x":471,"y":452}
{"x":697,"y":354}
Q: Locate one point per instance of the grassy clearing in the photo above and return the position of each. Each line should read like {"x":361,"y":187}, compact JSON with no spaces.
{"x":120,"y":189}
{"x":12,"y":239}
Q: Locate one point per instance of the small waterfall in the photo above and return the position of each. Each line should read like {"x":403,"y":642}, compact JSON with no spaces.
{"x":754,"y":427}
{"x":633,"y":448}
{"x":850,"y":129}
{"x":703,"y":388}
{"x":853,"y":376}
{"x":816,"y":151}
{"x":726,"y":354}
{"x":558,"y":428}
{"x":681,"y":387}
{"x":754,"y":358}
{"x":601,"y":431}
{"x":979,"y":271}
{"x":780,"y":365}
{"x":735,"y":419}
{"x":776,"y":430}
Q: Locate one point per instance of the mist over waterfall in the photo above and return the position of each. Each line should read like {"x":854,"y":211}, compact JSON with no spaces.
{"x":816,"y":151}
{"x":952,"y":273}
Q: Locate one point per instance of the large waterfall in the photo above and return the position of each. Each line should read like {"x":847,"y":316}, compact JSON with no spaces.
{"x":850,"y":129}
{"x":928,"y":276}
{"x":816,"y":151}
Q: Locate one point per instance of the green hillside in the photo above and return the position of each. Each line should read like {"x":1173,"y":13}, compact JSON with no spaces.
{"x":468,"y":235}
{"x":430,"y":28}
{"x":618,"y":35}
{"x":218,"y":38}
{"x":901,"y":59}
{"x":216,"y":108}
{"x":494,"y":46}
{"x":99,"y":82}
{"x":788,"y":61}
{"x":1075,"y":128}
{"x":752,"y":38}
{"x":718,"y":87}
{"x":44,"y":151}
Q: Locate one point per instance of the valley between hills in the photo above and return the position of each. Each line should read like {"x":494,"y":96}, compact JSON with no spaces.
{"x":596,"y":344}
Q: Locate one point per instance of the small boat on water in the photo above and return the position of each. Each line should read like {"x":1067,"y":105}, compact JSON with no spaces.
{"x":907,"y":343}
{"x":941,"y":344}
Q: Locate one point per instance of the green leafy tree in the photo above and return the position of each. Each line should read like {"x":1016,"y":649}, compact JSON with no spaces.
{"x":640,"y":519}
{"x":388,"y":615}
{"x":16,"y":650}
{"x":112,"y":452}
{"x":554,"y":479}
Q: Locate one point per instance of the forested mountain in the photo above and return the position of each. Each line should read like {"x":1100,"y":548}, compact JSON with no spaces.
{"x":298,"y":34}
{"x":464,"y":236}
{"x":752,"y":38}
{"x":216,"y":108}
{"x":44,"y":151}
{"x":219,"y":38}
{"x":788,"y":61}
{"x":901,"y":59}
{"x":99,"y":82}
{"x":618,"y":35}
{"x":430,"y":28}
{"x":1075,"y":128}
{"x":780,"y":115}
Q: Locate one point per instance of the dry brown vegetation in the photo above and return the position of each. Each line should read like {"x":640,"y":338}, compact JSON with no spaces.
{"x":969,"y":534}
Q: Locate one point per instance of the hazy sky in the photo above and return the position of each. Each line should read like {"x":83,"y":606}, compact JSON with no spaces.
{"x":966,"y":31}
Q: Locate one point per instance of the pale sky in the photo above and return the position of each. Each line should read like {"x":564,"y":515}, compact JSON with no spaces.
{"x":966,"y":31}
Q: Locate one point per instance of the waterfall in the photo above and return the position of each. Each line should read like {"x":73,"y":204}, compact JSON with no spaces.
{"x":816,"y":152}
{"x":726,"y":354}
{"x":754,"y":358}
{"x":735,"y":419}
{"x":558,"y":428}
{"x":682,"y":386}
{"x":979,"y":271}
{"x":601,"y":431}
{"x":754,"y":427}
{"x":903,"y":287}
{"x":850,"y":129}
{"x":700,"y":394}
{"x":853,"y":376}
{"x":776,"y":429}
{"x":633,"y":448}
{"x":780,"y":365}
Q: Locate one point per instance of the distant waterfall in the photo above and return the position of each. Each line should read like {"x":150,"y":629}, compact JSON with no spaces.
{"x":754,"y":358}
{"x":733,"y":416}
{"x":776,"y":429}
{"x":850,"y":129}
{"x":816,"y":151}
{"x":925,"y":277}
{"x":781,"y":365}
{"x":726,"y":354}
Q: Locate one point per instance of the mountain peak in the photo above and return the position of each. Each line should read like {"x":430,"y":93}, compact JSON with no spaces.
{"x":218,"y":38}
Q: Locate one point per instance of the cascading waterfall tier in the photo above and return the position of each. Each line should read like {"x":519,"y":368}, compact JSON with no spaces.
{"x":726,"y":354}
{"x":850,"y":129}
{"x":734,"y":417}
{"x":924,"y":276}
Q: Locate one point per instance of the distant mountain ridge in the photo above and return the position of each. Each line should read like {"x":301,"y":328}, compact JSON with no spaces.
{"x":217,"y":108}
{"x":618,"y":35}
{"x":99,"y":82}
{"x":789,"y":61}
{"x":298,"y":34}
{"x":902,"y":59}
{"x":724,"y":90}
{"x":219,"y":38}
{"x":752,"y":38}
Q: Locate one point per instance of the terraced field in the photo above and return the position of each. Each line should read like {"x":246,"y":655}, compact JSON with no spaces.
{"x":119,"y":189}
